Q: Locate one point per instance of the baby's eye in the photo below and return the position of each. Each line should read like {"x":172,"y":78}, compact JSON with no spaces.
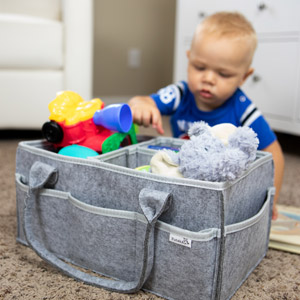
{"x":225,"y":75}
{"x":200,"y":68}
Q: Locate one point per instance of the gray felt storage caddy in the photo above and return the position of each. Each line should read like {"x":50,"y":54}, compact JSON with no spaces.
{"x":175,"y":237}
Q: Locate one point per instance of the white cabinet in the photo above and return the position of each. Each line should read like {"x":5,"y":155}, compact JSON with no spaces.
{"x":274,"y":86}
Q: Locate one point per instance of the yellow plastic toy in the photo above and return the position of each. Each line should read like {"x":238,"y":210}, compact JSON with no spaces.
{"x":70,"y":107}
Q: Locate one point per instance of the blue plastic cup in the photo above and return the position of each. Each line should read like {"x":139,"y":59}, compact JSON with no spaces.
{"x":115,"y":117}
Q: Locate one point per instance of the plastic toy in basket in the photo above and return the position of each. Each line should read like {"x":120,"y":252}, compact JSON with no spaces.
{"x":88,"y":123}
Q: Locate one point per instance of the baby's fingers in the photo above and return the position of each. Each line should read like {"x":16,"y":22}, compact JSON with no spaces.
{"x":146,"y":116}
{"x":157,"y":121}
{"x":136,"y":116}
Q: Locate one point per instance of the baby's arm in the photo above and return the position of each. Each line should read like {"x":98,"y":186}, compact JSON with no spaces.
{"x":145,"y":112}
{"x":278,"y":159}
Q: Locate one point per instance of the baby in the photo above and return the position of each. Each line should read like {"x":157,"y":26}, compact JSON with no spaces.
{"x":219,"y":62}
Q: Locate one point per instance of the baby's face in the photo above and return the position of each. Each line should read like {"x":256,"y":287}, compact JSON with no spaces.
{"x":217,"y":67}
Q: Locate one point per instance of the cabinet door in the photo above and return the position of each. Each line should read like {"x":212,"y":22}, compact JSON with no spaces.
{"x":267,"y":17}
{"x":189,"y":14}
{"x":274,"y":85}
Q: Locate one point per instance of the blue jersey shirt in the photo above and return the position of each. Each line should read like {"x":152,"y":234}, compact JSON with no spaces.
{"x":177,"y":100}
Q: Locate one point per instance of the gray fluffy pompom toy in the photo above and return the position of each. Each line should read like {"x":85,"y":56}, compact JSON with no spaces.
{"x":219,"y":153}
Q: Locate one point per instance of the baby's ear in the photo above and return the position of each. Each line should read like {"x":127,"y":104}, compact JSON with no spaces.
{"x":247,"y":74}
{"x":188,"y":52}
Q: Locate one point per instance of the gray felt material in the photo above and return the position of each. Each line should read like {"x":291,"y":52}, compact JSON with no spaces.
{"x":153,"y":203}
{"x":178,"y":238}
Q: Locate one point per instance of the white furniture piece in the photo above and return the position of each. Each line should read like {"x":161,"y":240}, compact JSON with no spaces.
{"x":274,"y":86}
{"x":46,"y":47}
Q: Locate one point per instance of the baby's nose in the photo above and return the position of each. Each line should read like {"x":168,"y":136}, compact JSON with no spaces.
{"x":209,"y":77}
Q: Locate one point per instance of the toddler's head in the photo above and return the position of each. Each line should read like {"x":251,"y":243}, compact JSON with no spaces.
{"x":219,"y":60}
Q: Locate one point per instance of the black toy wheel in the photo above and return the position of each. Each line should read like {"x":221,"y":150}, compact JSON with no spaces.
{"x":52,"y":132}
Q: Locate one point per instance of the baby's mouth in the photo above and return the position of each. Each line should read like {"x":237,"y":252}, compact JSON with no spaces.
{"x":205,"y":94}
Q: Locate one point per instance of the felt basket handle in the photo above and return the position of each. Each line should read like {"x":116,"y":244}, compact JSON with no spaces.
{"x":153,"y":203}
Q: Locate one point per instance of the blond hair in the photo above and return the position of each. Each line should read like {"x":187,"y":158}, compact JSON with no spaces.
{"x":231,"y":25}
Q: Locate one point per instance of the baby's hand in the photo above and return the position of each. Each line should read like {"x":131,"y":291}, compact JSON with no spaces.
{"x":275,"y":213}
{"x":145,"y":112}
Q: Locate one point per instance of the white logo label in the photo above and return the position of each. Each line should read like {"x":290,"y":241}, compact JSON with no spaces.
{"x":180,"y":240}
